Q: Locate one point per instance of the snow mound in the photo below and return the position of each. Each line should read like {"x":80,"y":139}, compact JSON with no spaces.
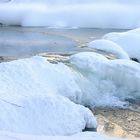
{"x":129,"y":41}
{"x":28,"y":103}
{"x":108,"y":81}
{"x":91,"y":14}
{"x":37,"y":76}
{"x":49,"y":114}
{"x":110,"y":47}
{"x":81,"y":136}
{"x":90,"y":79}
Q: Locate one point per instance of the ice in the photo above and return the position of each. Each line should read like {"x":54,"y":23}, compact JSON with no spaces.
{"x":81,"y":136}
{"x":109,"y":47}
{"x":129,"y":41}
{"x":28,"y":103}
{"x":108,"y":81}
{"x":90,"y":79}
{"x":66,"y":13}
{"x":49,"y":115}
{"x":38,"y":93}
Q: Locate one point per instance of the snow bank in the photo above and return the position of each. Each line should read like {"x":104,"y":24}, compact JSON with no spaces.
{"x":67,"y":13}
{"x":81,"y":136}
{"x":62,"y":2}
{"x":109,"y":47}
{"x":27,"y":95}
{"x":108,"y":82}
{"x":32,"y":90}
{"x":49,"y":114}
{"x":92,"y":80}
{"x":129,"y":41}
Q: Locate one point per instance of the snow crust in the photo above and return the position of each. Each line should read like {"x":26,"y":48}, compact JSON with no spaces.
{"x":129,"y":41}
{"x":90,"y":79}
{"x":38,"y":93}
{"x":28,"y":103}
{"x":49,"y":115}
{"x":68,"y":13}
{"x":81,"y":136}
{"x":109,"y":82}
{"x":109,"y":47}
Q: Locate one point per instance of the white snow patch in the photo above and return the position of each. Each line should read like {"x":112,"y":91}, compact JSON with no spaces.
{"x":108,"y":81}
{"x":79,"y":136}
{"x":49,"y":114}
{"x":28,"y":103}
{"x":129,"y":41}
{"x":90,"y":79}
{"x":109,"y":47}
{"x":32,"y":90}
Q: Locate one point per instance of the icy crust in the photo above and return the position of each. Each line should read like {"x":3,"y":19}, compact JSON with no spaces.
{"x":90,"y":79}
{"x":28,"y":103}
{"x":37,"y":76}
{"x":108,"y":81}
{"x":128,"y":41}
{"x":79,"y":136}
{"x":75,"y":1}
{"x":109,"y":47}
{"x":35,"y":92}
{"x":89,"y":14}
{"x":50,"y":115}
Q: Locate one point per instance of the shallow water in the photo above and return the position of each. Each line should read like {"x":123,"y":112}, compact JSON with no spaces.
{"x":23,"y":42}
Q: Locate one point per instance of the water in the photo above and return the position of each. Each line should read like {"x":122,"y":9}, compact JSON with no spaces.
{"x":24,"y":42}
{"x":19,"y":43}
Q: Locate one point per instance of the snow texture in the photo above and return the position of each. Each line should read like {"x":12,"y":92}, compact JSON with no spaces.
{"x":90,"y":79}
{"x":129,"y":41}
{"x":109,"y":47}
{"x":81,"y":136}
{"x":108,"y":81}
{"x":34,"y":91}
{"x":50,"y":115}
{"x":25,"y":98}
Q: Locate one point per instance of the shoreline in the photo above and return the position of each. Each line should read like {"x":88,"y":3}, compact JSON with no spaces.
{"x":118,"y":122}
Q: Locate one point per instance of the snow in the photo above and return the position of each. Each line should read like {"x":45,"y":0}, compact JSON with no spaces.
{"x":50,"y":115}
{"x":109,"y":47}
{"x":81,"y":136}
{"x":42,"y":100}
{"x":109,"y":82}
{"x":27,"y":96}
{"x":91,"y":14}
{"x":41,"y":94}
{"x":92,"y":79}
{"x":129,"y":41}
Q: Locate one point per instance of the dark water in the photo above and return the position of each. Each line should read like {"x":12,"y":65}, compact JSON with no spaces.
{"x":23,"y":42}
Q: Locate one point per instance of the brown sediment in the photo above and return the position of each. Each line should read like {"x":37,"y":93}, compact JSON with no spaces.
{"x":124,"y":123}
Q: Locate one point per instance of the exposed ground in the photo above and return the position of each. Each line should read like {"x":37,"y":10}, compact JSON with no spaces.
{"x":124,"y":123}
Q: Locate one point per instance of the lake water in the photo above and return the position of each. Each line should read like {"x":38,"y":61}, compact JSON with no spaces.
{"x":23,"y":42}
